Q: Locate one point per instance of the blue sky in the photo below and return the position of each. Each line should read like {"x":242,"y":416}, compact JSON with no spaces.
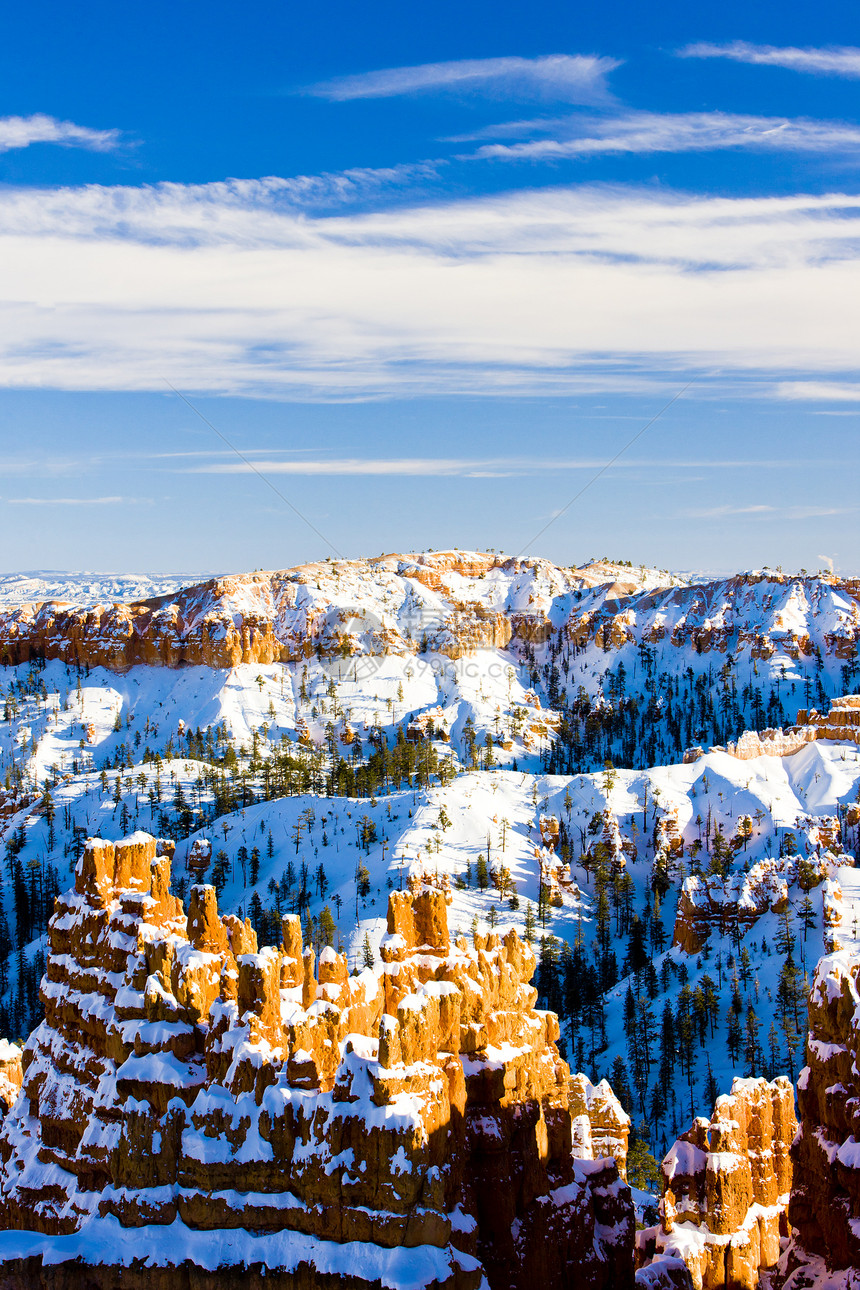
{"x":422,"y":273}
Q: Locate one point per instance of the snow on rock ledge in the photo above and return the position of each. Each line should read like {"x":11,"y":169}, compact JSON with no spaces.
{"x":726,"y":1187}
{"x":191,"y":1101}
{"x":825,"y":1204}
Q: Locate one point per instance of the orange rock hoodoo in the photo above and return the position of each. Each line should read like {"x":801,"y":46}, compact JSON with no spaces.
{"x":190,"y":1101}
{"x":726,"y":1186}
{"x":825,"y":1202}
{"x":11,"y":1075}
{"x":709,"y":903}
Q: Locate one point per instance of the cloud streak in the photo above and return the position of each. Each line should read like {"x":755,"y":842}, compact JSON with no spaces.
{"x":72,"y":501}
{"x":561,"y":78}
{"x":766,"y":512}
{"x":234,"y":288}
{"x":22,"y":131}
{"x":823,"y":391}
{"x":834,"y":61}
{"x":489,"y":467}
{"x":648,"y":132}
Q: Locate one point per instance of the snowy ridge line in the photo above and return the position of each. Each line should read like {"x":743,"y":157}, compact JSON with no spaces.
{"x":453,"y":602}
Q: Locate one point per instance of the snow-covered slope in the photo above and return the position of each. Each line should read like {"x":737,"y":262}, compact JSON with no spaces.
{"x":632,"y":665}
{"x":326,"y":728}
{"x":312,"y":852}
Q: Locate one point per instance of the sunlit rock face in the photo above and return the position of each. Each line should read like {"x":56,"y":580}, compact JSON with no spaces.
{"x":726,"y":1185}
{"x":453,"y":602}
{"x":825,"y":1203}
{"x":11,"y":1075}
{"x":193,"y":1102}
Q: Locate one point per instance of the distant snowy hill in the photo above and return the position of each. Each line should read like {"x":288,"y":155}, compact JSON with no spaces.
{"x":85,"y":589}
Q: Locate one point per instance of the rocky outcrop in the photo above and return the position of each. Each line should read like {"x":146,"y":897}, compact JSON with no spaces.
{"x":713,"y":903}
{"x":709,"y":903}
{"x":193,"y":1102}
{"x":11,"y":1075}
{"x":841,"y":723}
{"x":601,"y":1126}
{"x":825,"y":1202}
{"x":770,"y":743}
{"x":613,"y":848}
{"x":450,"y":602}
{"x":726,"y":1185}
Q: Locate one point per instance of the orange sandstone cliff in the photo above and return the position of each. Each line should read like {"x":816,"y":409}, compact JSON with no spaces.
{"x":195,"y":1110}
{"x":726,"y":1185}
{"x":457,"y":601}
{"x":825,"y":1201}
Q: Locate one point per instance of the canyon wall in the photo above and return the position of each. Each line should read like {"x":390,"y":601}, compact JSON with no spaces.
{"x":193,"y":1103}
{"x":726,"y":1185}
{"x":825,"y":1202}
{"x":452,"y":602}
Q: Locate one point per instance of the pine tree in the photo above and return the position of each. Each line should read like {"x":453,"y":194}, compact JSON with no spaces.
{"x":734,"y":1035}
{"x":327,"y":926}
{"x":751,"y":1050}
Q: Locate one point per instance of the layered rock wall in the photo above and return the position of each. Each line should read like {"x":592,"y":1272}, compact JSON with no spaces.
{"x":841,"y":723}
{"x":456,"y":602}
{"x":726,"y":1185}
{"x":825,"y":1203}
{"x":197,"y":1102}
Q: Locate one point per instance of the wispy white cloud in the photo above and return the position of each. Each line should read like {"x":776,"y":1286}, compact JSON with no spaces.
{"x":833,"y":61}
{"x":419,"y":466}
{"x":21,"y":131}
{"x":645,"y":132}
{"x":480,"y":468}
{"x":765,"y":512}
{"x":562,"y":78}
{"x":824,"y":391}
{"x":73,"y":501}
{"x":234,"y":288}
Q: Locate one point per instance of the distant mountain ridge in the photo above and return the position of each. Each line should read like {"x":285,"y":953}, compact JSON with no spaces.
{"x":451,"y":602}
{"x":87,"y":588}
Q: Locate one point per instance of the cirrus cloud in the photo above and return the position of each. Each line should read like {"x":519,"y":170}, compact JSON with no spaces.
{"x":841,"y":60}
{"x":22,"y":131}
{"x":563,"y":78}
{"x":229,"y":289}
{"x":645,"y":132}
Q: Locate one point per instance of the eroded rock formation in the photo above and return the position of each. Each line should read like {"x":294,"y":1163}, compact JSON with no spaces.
{"x":709,"y":903}
{"x":454,"y":602}
{"x":825,"y":1202}
{"x":601,"y":1126}
{"x":842,"y":722}
{"x":11,"y":1075}
{"x":726,"y":1185}
{"x":193,"y":1101}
